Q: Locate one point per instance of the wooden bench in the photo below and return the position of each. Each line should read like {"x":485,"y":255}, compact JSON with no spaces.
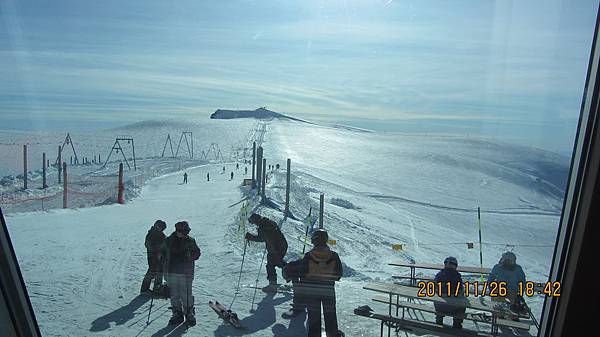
{"x":468,"y":316}
{"x":408,"y":324}
{"x":395,"y":291}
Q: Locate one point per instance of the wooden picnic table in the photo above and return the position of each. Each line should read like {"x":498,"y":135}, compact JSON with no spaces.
{"x":477,"y":303}
{"x":434,"y":266}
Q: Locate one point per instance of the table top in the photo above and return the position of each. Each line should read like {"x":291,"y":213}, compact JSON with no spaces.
{"x":463,"y":269}
{"x":477,"y":303}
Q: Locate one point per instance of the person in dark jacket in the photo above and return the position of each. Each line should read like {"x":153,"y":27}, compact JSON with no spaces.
{"x":276,"y":245}
{"x":179,"y":251}
{"x":318,"y":271}
{"x":445,"y":276}
{"x":154,"y":240}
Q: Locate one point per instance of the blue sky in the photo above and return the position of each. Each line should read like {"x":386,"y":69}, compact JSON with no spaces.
{"x":509,"y":69}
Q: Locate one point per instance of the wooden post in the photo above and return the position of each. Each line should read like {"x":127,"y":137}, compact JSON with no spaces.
{"x":24,"y":167}
{"x":264,"y":179}
{"x":44,"y":170}
{"x":253,"y":161}
{"x":287,"y":188}
{"x":59,"y":163}
{"x":64,"y":172}
{"x":321,"y":205}
{"x":120,"y":187}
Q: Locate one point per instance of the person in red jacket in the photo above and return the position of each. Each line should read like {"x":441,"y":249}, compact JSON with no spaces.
{"x":179,"y":251}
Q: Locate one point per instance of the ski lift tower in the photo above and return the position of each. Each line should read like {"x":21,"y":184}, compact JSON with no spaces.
{"x":117,"y":147}
{"x":186,"y":134}
{"x":67,"y":141}
{"x":165,"y":147}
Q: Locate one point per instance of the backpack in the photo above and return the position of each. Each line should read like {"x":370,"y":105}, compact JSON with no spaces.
{"x":322,"y":266}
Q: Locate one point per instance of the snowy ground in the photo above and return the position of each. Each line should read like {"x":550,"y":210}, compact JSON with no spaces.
{"x":83,"y":267}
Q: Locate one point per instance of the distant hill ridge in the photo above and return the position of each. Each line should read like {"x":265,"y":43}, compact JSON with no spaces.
{"x":260,"y":113}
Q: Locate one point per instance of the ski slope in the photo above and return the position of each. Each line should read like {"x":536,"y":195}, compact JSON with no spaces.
{"x":83,"y":267}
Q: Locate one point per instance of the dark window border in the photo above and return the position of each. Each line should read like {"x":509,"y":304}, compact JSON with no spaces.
{"x":569,"y":314}
{"x":13,"y":288}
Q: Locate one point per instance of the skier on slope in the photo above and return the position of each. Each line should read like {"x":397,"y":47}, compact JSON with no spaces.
{"x":507,"y":270}
{"x":207,"y":176}
{"x":444,"y":276}
{"x":185,"y":177}
{"x":179,"y":251}
{"x":318,"y":270}
{"x":231,"y":178}
{"x":153,"y":242}
{"x":276,"y":245}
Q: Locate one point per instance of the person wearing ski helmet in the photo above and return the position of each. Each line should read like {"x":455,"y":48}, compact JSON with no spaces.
{"x":318,"y":271}
{"x":153,"y":241}
{"x":276,"y":245}
{"x":507,"y":270}
{"x":179,"y":251}
{"x":450,"y":275}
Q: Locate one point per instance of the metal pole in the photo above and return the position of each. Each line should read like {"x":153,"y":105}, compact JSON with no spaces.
{"x":321,"y":204}
{"x":44,"y":170}
{"x":120,"y":186}
{"x":24,"y":167}
{"x":64,"y":171}
{"x":133,"y":146}
{"x":259,"y":168}
{"x":480,"y":245}
{"x":287,"y":188}
{"x":253,"y":161}
{"x":59,"y":163}
{"x":264,"y":179}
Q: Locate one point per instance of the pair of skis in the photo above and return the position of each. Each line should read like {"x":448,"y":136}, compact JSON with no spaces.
{"x":226,"y":315}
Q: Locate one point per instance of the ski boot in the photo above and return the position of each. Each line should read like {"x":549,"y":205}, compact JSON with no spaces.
{"x":146,"y":292}
{"x":177,"y":317}
{"x":190,"y":317}
{"x":271,"y":288}
{"x":291,"y":313}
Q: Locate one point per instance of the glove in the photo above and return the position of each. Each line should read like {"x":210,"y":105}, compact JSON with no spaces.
{"x":249,"y":236}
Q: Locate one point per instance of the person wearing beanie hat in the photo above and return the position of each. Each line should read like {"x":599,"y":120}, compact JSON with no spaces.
{"x":276,"y":245}
{"x":318,"y":271}
{"x":153,"y":241}
{"x":507,"y":270}
{"x":450,"y":275}
{"x":179,"y":252}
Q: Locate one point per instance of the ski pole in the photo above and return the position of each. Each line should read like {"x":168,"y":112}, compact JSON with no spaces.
{"x":257,"y":276}
{"x":237,"y":289}
{"x":306,"y":234}
{"x":149,"y":311}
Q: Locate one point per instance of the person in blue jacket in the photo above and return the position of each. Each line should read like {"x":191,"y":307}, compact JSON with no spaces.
{"x":507,"y":270}
{"x":450,"y":275}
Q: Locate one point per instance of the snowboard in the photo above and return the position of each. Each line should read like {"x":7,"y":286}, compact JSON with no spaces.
{"x":226,"y":314}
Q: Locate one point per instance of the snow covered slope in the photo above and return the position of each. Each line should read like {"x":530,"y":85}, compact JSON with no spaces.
{"x":83,"y":267}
